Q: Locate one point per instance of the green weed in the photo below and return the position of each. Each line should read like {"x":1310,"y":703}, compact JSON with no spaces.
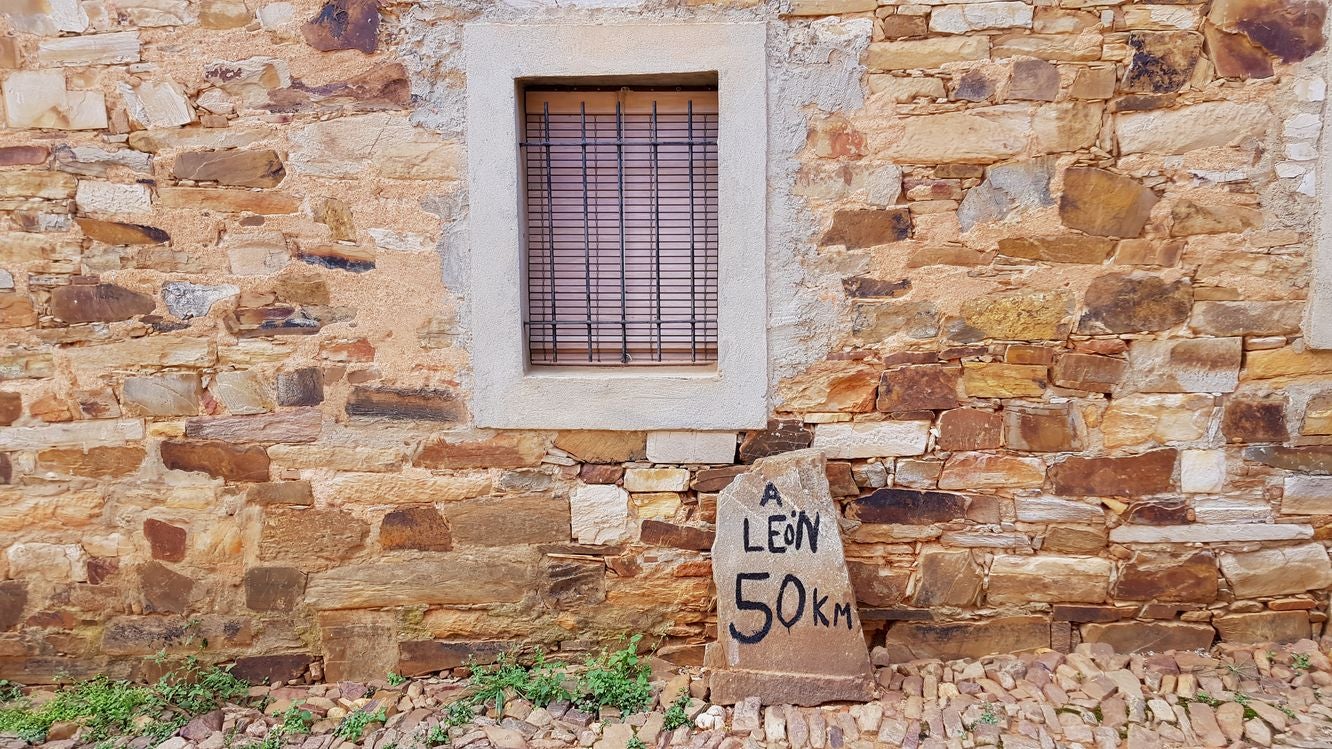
{"x":676,"y":714}
{"x":9,"y":691}
{"x":617,"y":679}
{"x":988,"y":716}
{"x":458,"y":713}
{"x":1301,"y":661}
{"x":352,"y":727}
{"x":395,"y":679}
{"x":634,"y":743}
{"x":438,"y":735}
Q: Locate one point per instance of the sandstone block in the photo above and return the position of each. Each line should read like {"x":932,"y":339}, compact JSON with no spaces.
{"x":1148,"y":473}
{"x":407,"y":487}
{"x":1267,"y":626}
{"x":174,"y":394}
{"x":977,"y":136}
{"x":1045,"y":430}
{"x":711,"y":448}
{"x":656,"y":479}
{"x":1208,"y":533}
{"x":1074,"y":248}
{"x":13,"y":599}
{"x":1134,"y":303}
{"x":218,"y":459}
{"x":84,"y":434}
{"x":660,"y":533}
{"x":970,"y":639}
{"x":39,"y":99}
{"x":92,"y":49}
{"x":1145,"y":419}
{"x":1247,"y":318}
{"x":421,"y":528}
{"x":1189,"y":128}
{"x":1307,"y":495}
{"x":166,"y":541}
{"x":298,"y":493}
{"x":1190,"y":217}
{"x":1080,"y":47}
{"x":111,"y":198}
{"x":869,"y":227}
{"x":421,"y":657}
{"x":300,"y":535}
{"x":926,"y":53}
{"x":1029,"y":316}
{"x":504,"y":521}
{"x":1152,"y":576}
{"x":1054,"y":510}
{"x":102,"y":302}
{"x":115,"y":232}
{"x":1020,"y":579}
{"x":872,"y":439}
{"x":877,"y":584}
{"x":448,"y":578}
{"x":503,"y":450}
{"x":53,"y":563}
{"x":921,"y":387}
{"x":962,"y":19}
{"x":908,"y":507}
{"x":1097,"y":374}
{"x":947,"y":578}
{"x":1254,"y":418}
{"x":964,"y":471}
{"x":228,"y":201}
{"x":1105,"y":204}
{"x":1154,"y":637}
{"x":1199,"y":365}
{"x":1202,"y":471}
{"x":294,"y":426}
{"x":995,"y":380}
{"x":1278,"y":570}
{"x":970,"y":429}
{"x":164,"y":591}
{"x":92,"y":462}
{"x":16,"y":311}
{"x":425,"y":404}
{"x":344,"y":24}
{"x":1162,"y":61}
{"x":1068,"y":539}
{"x":781,"y":435}
{"x":300,"y":387}
{"x":592,"y":446}
{"x":273,"y":588}
{"x":233,"y":168}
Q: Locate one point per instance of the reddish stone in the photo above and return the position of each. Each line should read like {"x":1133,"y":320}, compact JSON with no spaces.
{"x":218,"y":459}
{"x":1083,"y":613}
{"x":1255,"y":419}
{"x":166,"y":540}
{"x":1024,"y":354}
{"x":1162,"y":576}
{"x":273,"y":588}
{"x":868,"y":227}
{"x":865,"y":287}
{"x":94,"y":462}
{"x":421,"y":528}
{"x":1096,"y":374}
{"x":164,"y":591}
{"x":712,"y":479}
{"x":420,"y":657}
{"x":919,"y":388}
{"x":1148,"y":473}
{"x":280,"y":493}
{"x":24,"y":155}
{"x":1159,"y":512}
{"x":970,"y":429}
{"x":908,"y":507}
{"x":841,"y":482}
{"x":1162,"y":61}
{"x":781,"y":435}
{"x":344,"y":24}
{"x":1315,"y":459}
{"x":115,"y":232}
{"x":504,"y":450}
{"x":299,"y":535}
{"x":877,"y":584}
{"x":11,"y":408}
{"x":13,"y":597}
{"x":1045,"y":430}
{"x":659,"y":533}
{"x":101,"y":302}
{"x":423,"y":404}
{"x":1235,"y":56}
{"x":101,"y":568}
{"x":596,"y":473}
{"x":262,"y":168}
{"x":300,"y":387}
{"x":266,"y":669}
{"x":1135,"y":303}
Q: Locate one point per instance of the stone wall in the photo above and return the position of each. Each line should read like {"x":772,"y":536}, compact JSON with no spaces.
{"x":1043,"y":313}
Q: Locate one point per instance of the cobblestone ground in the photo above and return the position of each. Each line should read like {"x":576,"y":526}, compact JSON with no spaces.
{"x":1253,"y":696}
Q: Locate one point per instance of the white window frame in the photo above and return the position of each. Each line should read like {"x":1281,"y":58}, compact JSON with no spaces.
{"x":508,"y":392}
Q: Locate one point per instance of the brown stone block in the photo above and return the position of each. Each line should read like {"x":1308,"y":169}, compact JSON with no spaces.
{"x":13,"y":599}
{"x":170,"y":394}
{"x":949,"y":640}
{"x":11,"y":408}
{"x":868,"y":227}
{"x":1041,"y":429}
{"x":449,"y":578}
{"x":300,"y":387}
{"x":1289,"y":29}
{"x":1151,"y":576}
{"x":164,"y":591}
{"x":98,"y":302}
{"x":1148,"y":473}
{"x":1162,"y":61}
{"x":837,"y":385}
{"x":1105,"y":204}
{"x":228,"y":201}
{"x":908,"y":507}
{"x":266,"y":669}
{"x":595,"y":446}
{"x":1027,"y":354}
{"x":1149,"y":252}
{"x":24,"y":155}
{"x":841,"y":481}
{"x":919,"y":388}
{"x":993,"y":380}
{"x":218,"y":459}
{"x":970,"y":429}
{"x":421,"y":528}
{"x":1024,"y":316}
{"x":1134,"y":303}
{"x":1250,"y":418}
{"x":1159,"y":512}
{"x":594,"y":473}
{"x":504,"y":521}
{"x":713,"y":479}
{"x":421,"y":657}
{"x":974,"y":470}
{"x":344,"y":24}
{"x":262,"y":168}
{"x":1266,"y":626}
{"x":1069,"y":539}
{"x":1135,"y":637}
{"x":1070,"y":248}
{"x":166,"y":541}
{"x":503,"y":450}
{"x":16,"y":311}
{"x":1235,"y":56}
{"x":781,"y":435}
{"x":1226,"y":318}
{"x":273,"y":588}
{"x":947,"y":578}
{"x":358,"y":645}
{"x":1096,"y":374}
{"x":424,"y":404}
{"x":659,"y":533}
{"x":877,"y":584}
{"x":1190,"y":217}
{"x":1022,"y":579}
{"x":1315,"y":459}
{"x":300,"y":535}
{"x":281,"y":493}
{"x":1085,"y":613}
{"x":865,"y":287}
{"x":115,"y":232}
{"x":350,"y":258}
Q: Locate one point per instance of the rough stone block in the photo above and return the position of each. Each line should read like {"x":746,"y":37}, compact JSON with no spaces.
{"x":712,"y":448}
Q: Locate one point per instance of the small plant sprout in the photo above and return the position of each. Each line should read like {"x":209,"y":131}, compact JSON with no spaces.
{"x":396,"y":679}
{"x":1301,"y":661}
{"x":676,"y":714}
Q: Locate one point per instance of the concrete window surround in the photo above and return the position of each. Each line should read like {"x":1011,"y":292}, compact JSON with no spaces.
{"x":509,"y":393}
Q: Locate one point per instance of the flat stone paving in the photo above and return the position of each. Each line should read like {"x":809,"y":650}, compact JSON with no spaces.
{"x":1093,"y":698}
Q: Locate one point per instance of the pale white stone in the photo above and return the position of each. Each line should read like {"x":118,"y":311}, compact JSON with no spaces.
{"x":878,"y":439}
{"x":1053,"y":510}
{"x":400,"y":241}
{"x":656,"y":479}
{"x":157,"y":12}
{"x":94,"y":433}
{"x":1310,"y":88}
{"x":1304,"y":126}
{"x":1301,"y":151}
{"x":276,"y":15}
{"x":242,"y":392}
{"x":258,"y":255}
{"x":109,"y":197}
{"x":159,"y":104}
{"x":883,"y":185}
{"x":6,"y":280}
{"x":960,"y":19}
{"x":186,"y":300}
{"x":1230,"y":510}
{"x":599,"y":514}
{"x":691,"y":447}
{"x":1307,"y":495}
{"x":1023,"y":579}
{"x":39,"y":99}
{"x":217,"y":101}
{"x":1186,"y":17}
{"x":93,"y":49}
{"x":1200,"y":533}
{"x":250,"y":79}
{"x":1289,"y":169}
{"x":1308,"y":184}
{"x":94,"y":161}
{"x":1202,"y":471}
{"x":387,"y":142}
{"x":47,"y":562}
{"x":68,"y":15}
{"x":1177,"y":131}
{"x":57,"y":16}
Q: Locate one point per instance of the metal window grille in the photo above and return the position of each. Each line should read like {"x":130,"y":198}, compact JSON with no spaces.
{"x":621,"y":226}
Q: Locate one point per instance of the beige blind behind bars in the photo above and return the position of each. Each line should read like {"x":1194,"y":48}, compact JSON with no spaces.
{"x":621,"y":226}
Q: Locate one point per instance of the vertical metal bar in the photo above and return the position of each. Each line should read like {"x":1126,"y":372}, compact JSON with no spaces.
{"x":624,"y":295}
{"x":693,"y":283}
{"x":656,"y":225}
{"x":550,"y":237}
{"x":587,"y":249}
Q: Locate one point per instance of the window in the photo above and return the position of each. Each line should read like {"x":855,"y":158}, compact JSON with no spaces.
{"x":571,"y":326}
{"x":621,"y":211}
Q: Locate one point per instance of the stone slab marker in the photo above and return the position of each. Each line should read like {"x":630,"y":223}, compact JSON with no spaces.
{"x":787,"y":627}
